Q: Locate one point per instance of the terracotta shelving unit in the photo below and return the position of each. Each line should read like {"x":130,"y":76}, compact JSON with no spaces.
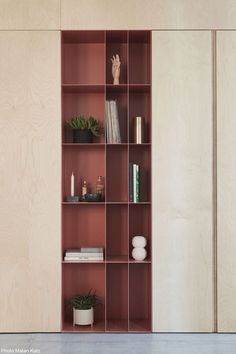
{"x":124,"y":285}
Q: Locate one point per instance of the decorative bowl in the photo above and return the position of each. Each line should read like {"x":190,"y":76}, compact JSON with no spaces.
{"x":92,"y":197}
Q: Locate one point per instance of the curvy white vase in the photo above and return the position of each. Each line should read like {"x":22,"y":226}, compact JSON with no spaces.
{"x":139,"y":241}
{"x":139,"y":253}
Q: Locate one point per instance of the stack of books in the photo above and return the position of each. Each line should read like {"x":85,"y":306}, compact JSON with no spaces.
{"x":134,"y":183}
{"x":112,"y":123}
{"x":84,"y":254}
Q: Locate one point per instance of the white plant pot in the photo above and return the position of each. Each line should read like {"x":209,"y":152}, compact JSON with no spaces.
{"x":83,"y":317}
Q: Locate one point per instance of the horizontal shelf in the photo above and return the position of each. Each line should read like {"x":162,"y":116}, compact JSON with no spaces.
{"x":116,"y":145}
{"x":111,"y":326}
{"x":84,"y":262}
{"x":103,"y":144}
{"x":121,"y":88}
{"x":117,"y":259}
{"x":103,"y":203}
{"x":146,"y":261}
{"x":139,"y":326}
{"x":140,"y":145}
{"x":97,"y":327}
{"x":83,"y":203}
{"x":140,"y":203}
{"x":84,"y":144}
{"x":80,"y":88}
{"x":139,"y":88}
{"x":117,"y":203}
{"x":117,"y":326}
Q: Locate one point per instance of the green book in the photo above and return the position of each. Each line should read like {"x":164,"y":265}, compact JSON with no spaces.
{"x":137,"y":183}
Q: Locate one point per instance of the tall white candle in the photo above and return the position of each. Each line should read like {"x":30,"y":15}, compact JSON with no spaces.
{"x":72,"y":185}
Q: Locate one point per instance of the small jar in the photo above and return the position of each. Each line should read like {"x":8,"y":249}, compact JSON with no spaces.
{"x":100,"y":187}
{"x":84,"y":189}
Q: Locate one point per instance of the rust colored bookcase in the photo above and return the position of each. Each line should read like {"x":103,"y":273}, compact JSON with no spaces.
{"x":124,"y":285}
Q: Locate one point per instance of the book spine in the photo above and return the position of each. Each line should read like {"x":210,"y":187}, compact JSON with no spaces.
{"x":84,"y":254}
{"x":107,"y":123}
{"x":116,"y":122}
{"x":112,"y":140}
{"x":131,"y":197}
{"x":83,"y":259}
{"x":134,"y":183}
{"x":91,"y":249}
{"x":137,"y":183}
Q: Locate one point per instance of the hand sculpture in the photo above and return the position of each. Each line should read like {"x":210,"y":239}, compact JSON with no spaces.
{"x":116,"y":69}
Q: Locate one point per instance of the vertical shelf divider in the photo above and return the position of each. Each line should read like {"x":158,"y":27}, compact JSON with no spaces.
{"x":128,"y":139}
{"x":105,"y":130}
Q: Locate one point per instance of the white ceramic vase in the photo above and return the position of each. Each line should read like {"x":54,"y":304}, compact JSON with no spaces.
{"x":139,"y":241}
{"x":139,"y":253}
{"x":83,"y":317}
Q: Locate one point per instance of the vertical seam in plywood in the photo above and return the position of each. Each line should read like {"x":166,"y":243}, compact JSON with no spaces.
{"x":60,"y":15}
{"x":214,"y":113}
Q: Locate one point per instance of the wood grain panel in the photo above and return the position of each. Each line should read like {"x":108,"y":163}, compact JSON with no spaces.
{"x":151,"y":14}
{"x":182,"y":182}
{"x":30,"y":181}
{"x":29,"y":14}
{"x":226,"y":79}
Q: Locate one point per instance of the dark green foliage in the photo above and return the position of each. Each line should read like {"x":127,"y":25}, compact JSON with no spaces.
{"x":89,"y":123}
{"x":84,"y":301}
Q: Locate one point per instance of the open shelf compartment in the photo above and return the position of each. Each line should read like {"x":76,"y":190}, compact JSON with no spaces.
{"x":86,"y":103}
{"x":117,"y":298}
{"x":79,"y":278}
{"x":139,"y":57}
{"x":117,"y":173}
{"x":83,"y":54}
{"x":140,"y":297}
{"x":117,"y":233}
{"x":117,"y":43}
{"x":83,"y":227}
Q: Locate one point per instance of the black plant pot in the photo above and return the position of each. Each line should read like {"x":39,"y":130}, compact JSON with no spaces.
{"x":83,"y":136}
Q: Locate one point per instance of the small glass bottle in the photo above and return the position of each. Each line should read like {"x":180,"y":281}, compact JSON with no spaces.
{"x":100,"y":188}
{"x":84,"y":188}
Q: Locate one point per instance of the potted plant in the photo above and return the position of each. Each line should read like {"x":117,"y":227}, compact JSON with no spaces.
{"x":83,"y":308}
{"x":84,"y":128}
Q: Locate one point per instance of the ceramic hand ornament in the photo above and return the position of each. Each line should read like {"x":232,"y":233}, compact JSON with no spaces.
{"x":115,"y":69}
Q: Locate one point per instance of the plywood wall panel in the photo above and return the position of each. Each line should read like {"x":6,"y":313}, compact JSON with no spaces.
{"x":29,"y":14}
{"x":182,"y":182}
{"x":150,"y":14}
{"x":30,"y":181}
{"x":226,"y":166}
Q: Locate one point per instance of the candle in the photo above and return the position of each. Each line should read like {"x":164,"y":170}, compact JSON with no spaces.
{"x":72,"y":185}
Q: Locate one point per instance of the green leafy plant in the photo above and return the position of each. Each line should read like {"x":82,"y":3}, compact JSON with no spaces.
{"x":84,"y":301}
{"x":89,"y":123}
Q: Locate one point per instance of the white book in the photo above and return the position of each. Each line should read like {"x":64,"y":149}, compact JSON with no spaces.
{"x":84,"y":254}
{"x":134,"y":183}
{"x":112,"y":124}
{"x":70,"y":250}
{"x":115,"y":122}
{"x":83,"y":258}
{"x":108,"y":122}
{"x":91,"y":249}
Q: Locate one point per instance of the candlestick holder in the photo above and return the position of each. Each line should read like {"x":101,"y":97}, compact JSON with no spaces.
{"x":72,"y":199}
